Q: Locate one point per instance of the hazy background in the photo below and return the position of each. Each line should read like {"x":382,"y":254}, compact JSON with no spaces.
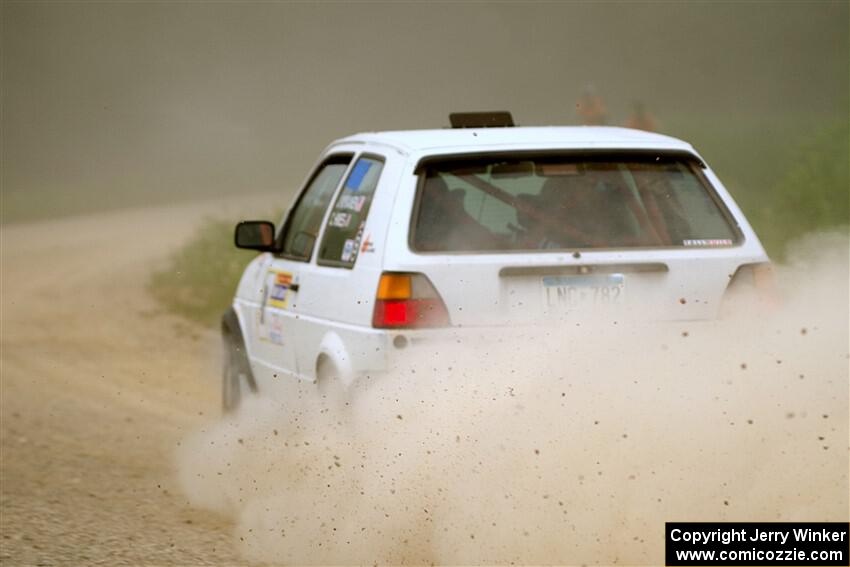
{"x":113,"y":104}
{"x":105,"y":105}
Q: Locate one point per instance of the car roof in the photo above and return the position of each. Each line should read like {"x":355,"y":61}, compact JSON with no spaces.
{"x":470,"y":139}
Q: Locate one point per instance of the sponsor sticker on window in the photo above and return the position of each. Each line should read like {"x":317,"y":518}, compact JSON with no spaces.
{"x":707,"y":242}
{"x":361,"y":168}
{"x":340,"y":220}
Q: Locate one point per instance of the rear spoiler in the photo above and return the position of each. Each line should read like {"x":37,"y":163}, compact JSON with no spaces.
{"x":594,"y":154}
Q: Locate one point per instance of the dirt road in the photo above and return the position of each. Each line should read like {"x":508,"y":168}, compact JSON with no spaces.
{"x":98,"y":387}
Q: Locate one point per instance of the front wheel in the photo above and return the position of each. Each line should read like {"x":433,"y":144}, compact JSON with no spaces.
{"x":236,"y":376}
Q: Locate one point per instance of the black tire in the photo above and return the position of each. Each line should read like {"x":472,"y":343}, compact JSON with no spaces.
{"x":236,"y":381}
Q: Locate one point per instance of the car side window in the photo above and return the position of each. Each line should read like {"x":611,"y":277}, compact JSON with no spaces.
{"x":302,"y":227}
{"x":344,"y":233}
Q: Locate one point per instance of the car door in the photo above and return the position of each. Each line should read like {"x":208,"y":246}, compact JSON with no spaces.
{"x":336,"y":292}
{"x":274,"y":350}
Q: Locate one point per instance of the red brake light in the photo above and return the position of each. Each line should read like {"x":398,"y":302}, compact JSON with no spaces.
{"x":408,"y":301}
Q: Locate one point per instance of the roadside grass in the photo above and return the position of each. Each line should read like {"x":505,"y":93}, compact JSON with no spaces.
{"x":790,"y":177}
{"x":785,"y":187}
{"x":199,"y":279}
{"x":813,"y":194}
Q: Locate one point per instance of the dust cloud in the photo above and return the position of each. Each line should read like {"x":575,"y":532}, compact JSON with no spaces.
{"x":570,"y":445}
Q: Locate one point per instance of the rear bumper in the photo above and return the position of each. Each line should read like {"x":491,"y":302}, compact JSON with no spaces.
{"x":402,"y":346}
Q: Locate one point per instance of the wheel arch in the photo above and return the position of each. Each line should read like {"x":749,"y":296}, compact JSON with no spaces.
{"x":332,"y":349}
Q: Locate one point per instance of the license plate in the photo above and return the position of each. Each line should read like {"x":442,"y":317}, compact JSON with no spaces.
{"x":570,"y":292}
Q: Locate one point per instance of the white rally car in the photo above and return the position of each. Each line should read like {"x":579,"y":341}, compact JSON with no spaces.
{"x":400,"y":236}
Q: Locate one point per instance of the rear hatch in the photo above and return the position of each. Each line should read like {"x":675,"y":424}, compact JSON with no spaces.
{"x":518,"y":238}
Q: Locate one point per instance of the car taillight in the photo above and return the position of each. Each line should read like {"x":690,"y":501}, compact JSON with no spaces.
{"x":753,"y":283}
{"x":408,"y":301}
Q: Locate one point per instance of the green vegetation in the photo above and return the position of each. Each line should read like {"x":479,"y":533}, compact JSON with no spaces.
{"x":814,"y":193}
{"x":199,"y":280}
{"x":789,"y":176}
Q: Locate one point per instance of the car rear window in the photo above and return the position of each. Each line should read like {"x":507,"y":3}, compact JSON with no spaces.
{"x":567,"y":202}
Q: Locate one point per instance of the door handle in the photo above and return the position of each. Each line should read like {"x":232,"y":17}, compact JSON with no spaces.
{"x":294,"y":287}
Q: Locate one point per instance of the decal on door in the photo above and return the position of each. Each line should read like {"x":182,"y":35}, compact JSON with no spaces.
{"x":270,"y":322}
{"x":270,"y":328}
{"x":279,"y":295}
{"x":367,"y":246}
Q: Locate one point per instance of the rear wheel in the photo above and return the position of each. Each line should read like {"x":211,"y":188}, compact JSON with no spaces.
{"x":236,"y":375}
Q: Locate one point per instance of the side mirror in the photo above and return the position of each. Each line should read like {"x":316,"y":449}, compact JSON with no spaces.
{"x":255,"y":235}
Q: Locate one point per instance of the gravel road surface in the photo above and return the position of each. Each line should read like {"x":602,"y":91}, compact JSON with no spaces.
{"x":98,"y":388}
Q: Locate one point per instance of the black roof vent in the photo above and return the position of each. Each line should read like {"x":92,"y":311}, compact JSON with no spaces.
{"x":499,"y":119}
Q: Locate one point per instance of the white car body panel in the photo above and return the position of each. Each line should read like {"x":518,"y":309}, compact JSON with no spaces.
{"x":331,"y":313}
